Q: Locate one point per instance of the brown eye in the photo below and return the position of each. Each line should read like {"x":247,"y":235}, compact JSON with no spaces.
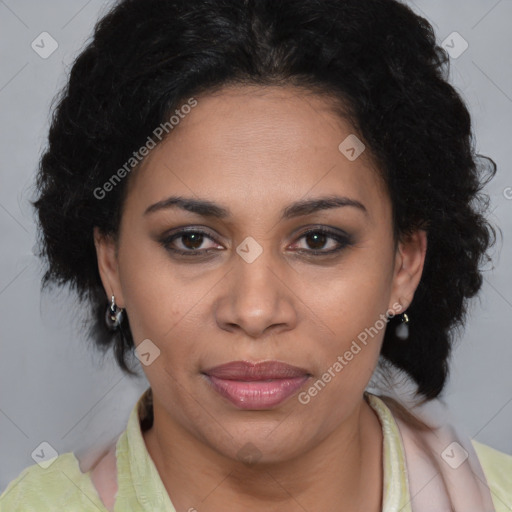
{"x":188,"y":243}
{"x":316,"y":240}
{"x":192,"y":241}
{"x":321,"y":241}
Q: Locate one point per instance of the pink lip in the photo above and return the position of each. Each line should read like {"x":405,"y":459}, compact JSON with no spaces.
{"x":256,"y":385}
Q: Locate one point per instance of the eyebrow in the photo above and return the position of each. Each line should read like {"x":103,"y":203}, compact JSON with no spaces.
{"x":208,"y":208}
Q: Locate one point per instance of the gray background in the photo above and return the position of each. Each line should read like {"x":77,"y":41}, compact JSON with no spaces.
{"x":54,"y":388}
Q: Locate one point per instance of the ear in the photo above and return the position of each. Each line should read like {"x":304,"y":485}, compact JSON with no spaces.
{"x":106,"y":253}
{"x":409,"y":262}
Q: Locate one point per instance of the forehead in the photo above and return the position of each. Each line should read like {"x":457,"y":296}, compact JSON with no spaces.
{"x":259,"y":145}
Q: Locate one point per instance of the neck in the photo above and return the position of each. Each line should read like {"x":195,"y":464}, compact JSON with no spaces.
{"x":342,"y":472}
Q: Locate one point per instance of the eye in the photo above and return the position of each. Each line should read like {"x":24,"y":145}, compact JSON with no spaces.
{"x":317,"y":241}
{"x":190,"y":242}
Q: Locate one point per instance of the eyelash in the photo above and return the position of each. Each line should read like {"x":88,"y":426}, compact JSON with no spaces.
{"x":343,"y":241}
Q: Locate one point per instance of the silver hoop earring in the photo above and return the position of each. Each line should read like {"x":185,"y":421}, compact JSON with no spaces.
{"x":402,"y":330}
{"x":113,"y":316}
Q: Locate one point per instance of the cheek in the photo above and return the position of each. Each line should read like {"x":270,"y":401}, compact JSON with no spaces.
{"x":347,"y":359}
{"x":354,"y":306}
{"x":354,"y":295}
{"x":152,"y":294}
{"x":167,"y":304}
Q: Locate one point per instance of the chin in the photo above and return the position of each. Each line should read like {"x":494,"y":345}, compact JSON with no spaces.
{"x":263,"y":447}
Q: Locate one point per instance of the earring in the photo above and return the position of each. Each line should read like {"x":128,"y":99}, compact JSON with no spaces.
{"x":402,"y":330}
{"x":113,"y":316}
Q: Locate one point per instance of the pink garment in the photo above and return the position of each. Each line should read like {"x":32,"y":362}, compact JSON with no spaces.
{"x":443,"y":469}
{"x":104,"y":478}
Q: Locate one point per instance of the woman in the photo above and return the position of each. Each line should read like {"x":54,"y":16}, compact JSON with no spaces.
{"x":247,"y":195}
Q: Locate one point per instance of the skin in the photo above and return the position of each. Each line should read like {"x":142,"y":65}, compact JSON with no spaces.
{"x":254,"y":151}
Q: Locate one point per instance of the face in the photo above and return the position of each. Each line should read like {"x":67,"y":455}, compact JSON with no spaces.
{"x":264,"y":271}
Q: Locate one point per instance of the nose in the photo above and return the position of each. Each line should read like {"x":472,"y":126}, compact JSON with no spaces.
{"x":257,"y":296}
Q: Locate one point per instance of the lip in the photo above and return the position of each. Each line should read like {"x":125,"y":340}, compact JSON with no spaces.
{"x":256,"y":386}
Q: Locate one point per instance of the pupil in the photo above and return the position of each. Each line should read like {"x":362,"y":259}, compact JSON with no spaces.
{"x":195,"y":238}
{"x":318,"y":239}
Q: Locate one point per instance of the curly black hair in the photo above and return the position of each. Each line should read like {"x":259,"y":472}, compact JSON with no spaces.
{"x":377,"y":57}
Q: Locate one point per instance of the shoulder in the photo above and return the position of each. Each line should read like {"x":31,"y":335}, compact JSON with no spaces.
{"x":497,"y":467}
{"x":60,"y":486}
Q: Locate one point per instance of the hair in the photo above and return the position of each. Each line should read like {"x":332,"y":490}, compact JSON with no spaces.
{"x":377,"y":57}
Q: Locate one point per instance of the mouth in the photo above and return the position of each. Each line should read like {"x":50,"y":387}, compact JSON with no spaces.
{"x":256,"y":386}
